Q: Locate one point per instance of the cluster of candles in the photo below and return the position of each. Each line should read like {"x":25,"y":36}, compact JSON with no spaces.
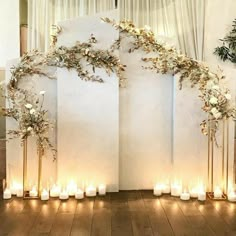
{"x":57,"y":192}
{"x":198,"y":192}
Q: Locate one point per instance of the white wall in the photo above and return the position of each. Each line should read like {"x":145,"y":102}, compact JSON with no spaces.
{"x":9,"y":31}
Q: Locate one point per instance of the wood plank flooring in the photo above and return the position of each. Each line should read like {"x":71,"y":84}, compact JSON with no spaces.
{"x":127,"y":213}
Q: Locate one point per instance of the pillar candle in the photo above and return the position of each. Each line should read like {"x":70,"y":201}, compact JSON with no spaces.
{"x":33,"y":192}
{"x":102,"y":189}
{"x":44,"y":195}
{"x":91,"y":191}
{"x":157,"y":191}
{"x":185,"y":196}
{"x":64,"y":195}
{"x":79,"y":194}
{"x":7,"y":194}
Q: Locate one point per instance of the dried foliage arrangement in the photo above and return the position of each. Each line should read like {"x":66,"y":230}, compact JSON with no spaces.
{"x":27,"y":108}
{"x":216,"y":99}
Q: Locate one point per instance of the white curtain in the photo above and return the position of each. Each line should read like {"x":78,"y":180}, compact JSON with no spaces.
{"x":179,"y":22}
{"x":44,"y":13}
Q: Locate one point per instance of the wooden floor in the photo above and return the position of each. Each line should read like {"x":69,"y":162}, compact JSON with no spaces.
{"x":117,"y":214}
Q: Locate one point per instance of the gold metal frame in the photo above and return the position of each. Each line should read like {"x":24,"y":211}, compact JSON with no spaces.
{"x":26,"y":191}
{"x":224,"y":160}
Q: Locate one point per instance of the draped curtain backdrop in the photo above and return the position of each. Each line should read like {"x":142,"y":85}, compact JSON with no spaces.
{"x":179,"y":22}
{"x":44,"y":13}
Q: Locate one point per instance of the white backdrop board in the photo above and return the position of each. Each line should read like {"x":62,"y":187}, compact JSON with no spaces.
{"x":88,"y":114}
{"x":145,"y":124}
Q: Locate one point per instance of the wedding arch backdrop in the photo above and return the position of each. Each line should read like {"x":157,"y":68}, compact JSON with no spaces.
{"x":88,"y":132}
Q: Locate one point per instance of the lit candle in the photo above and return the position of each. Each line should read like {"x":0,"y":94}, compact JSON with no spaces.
{"x":79,"y":194}
{"x":232,"y":196}
{"x":157,"y":191}
{"x":217,"y":193}
{"x":14,"y":188}
{"x":55,"y":191}
{"x":71,"y":188}
{"x":166,"y":189}
{"x":19,"y":192}
{"x":64,"y":195}
{"x":91,"y":191}
{"x":176,"y":190}
{"x":33,"y":192}
{"x":202,"y":195}
{"x":185,"y":196}
{"x":194,"y":192}
{"x":7,"y":194}
{"x":102,"y":189}
{"x":44,"y":195}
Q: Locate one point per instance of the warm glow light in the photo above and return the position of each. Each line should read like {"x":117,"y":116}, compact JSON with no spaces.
{"x":158,"y":188}
{"x":218,"y":192}
{"x":33,"y":192}
{"x":102,"y":189}
{"x":176,"y":189}
{"x":91,"y":191}
{"x":44,"y":195}
{"x":7,"y":194}
{"x":55,"y":191}
{"x":64,"y":195}
{"x":71,"y":188}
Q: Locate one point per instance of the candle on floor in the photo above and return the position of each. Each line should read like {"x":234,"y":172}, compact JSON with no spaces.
{"x":102,"y":189}
{"x":218,"y":192}
{"x":176,"y":190}
{"x":19,"y":192}
{"x":194,"y":192}
{"x":55,"y":191}
{"x":185,"y":196}
{"x":33,"y":192}
{"x":157,"y":191}
{"x":63,"y":195}
{"x":71,"y":188}
{"x":44,"y":195}
{"x":232,"y":196}
{"x":14,"y":188}
{"x":7,"y":194}
{"x":79,"y":194}
{"x":91,"y":191}
{"x":201,"y":195}
{"x":166,"y":189}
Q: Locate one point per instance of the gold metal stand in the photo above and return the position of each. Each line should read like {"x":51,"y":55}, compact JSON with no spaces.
{"x":26,"y":191}
{"x":224,"y":160}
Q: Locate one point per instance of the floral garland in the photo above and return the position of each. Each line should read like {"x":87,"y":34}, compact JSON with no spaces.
{"x":27,"y":108}
{"x":216,"y":99}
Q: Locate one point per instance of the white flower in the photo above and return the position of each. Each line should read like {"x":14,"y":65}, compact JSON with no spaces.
{"x":228,"y":96}
{"x":28,"y":106}
{"x":213,"y":100}
{"x":42,"y":92}
{"x":32,"y":111}
{"x":215,"y":113}
{"x":29,"y":128}
{"x":216,"y":87}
